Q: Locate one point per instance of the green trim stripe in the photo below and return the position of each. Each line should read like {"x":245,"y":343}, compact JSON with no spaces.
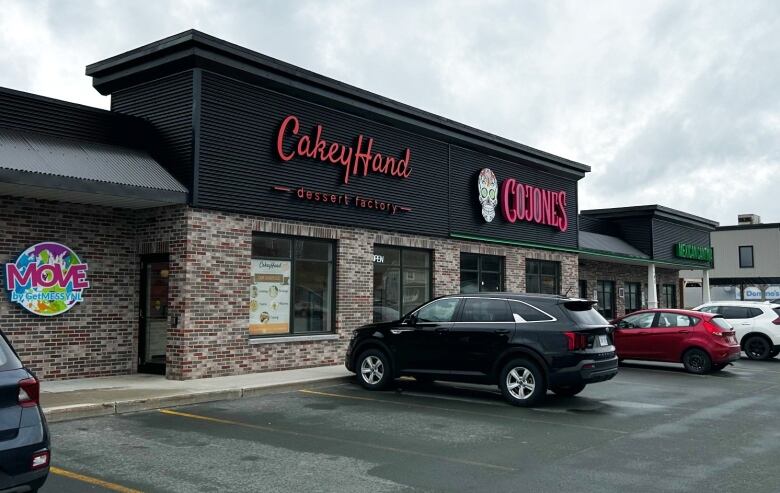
{"x":585,"y":251}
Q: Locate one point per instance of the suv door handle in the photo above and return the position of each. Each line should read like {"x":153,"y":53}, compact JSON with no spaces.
{"x":502,"y":331}
{"x":644,"y":333}
{"x":442,"y":330}
{"x":683,"y":331}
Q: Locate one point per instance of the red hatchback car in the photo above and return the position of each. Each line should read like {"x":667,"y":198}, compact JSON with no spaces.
{"x":703,"y":342}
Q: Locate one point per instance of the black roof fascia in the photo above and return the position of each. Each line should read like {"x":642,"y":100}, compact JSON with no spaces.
{"x":731,"y":281}
{"x":654,"y":211}
{"x":737,"y":227}
{"x":194,"y":49}
{"x":90,"y":186}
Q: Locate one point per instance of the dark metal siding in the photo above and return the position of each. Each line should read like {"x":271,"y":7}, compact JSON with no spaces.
{"x":638,"y":232}
{"x":465,"y":211}
{"x":167,"y":104}
{"x":667,"y":234}
{"x":29,"y":112}
{"x":238,"y":165}
{"x":599,"y":226}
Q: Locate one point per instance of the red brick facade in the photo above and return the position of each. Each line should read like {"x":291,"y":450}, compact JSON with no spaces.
{"x":593,"y":271}
{"x":98,"y":336}
{"x":210,"y":256}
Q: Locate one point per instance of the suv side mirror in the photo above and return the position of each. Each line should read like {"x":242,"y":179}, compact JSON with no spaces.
{"x":624,"y":325}
{"x":411,"y":319}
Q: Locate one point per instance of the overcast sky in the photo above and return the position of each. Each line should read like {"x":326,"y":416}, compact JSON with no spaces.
{"x":670,"y":102}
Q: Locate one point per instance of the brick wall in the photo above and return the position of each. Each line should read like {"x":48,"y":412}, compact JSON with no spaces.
{"x":212,"y":339}
{"x":97,"y":336}
{"x":593,"y":271}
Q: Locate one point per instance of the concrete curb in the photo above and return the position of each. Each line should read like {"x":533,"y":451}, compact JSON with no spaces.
{"x":80,"y":411}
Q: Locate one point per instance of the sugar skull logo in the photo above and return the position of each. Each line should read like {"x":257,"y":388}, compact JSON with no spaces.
{"x":488,"y":193}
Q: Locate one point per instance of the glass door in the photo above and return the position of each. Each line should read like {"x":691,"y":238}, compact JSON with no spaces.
{"x":153,"y":331}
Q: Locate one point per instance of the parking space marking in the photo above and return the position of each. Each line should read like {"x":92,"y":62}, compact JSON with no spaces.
{"x":93,"y":481}
{"x":230,"y":422}
{"x":463,"y":411}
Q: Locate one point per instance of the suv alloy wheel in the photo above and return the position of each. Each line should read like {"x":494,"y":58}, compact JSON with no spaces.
{"x":374,"y":370}
{"x":522,"y":383}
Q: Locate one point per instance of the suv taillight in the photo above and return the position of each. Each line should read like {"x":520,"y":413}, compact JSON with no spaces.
{"x":576,"y":340}
{"x":776,"y":321}
{"x":29,"y":392}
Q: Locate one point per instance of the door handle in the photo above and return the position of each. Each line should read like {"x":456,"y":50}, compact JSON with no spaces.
{"x":683,"y":331}
{"x":442,"y":330}
{"x":643,"y":333}
{"x":502,"y":331}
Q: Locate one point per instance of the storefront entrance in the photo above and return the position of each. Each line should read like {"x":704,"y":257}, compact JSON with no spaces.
{"x":153,"y":330}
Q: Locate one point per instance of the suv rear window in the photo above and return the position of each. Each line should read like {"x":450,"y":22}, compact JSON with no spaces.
{"x":582,"y":312}
{"x":8,"y":360}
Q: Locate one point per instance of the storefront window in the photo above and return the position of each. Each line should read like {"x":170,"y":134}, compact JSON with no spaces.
{"x":542,"y":276}
{"x":402,"y":281}
{"x":292,"y":288}
{"x":480,"y":273}
{"x":605,"y":294}
{"x":633,"y":296}
{"x":669,"y":295}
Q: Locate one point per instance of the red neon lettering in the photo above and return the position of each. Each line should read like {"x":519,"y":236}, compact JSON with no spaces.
{"x":507,"y":189}
{"x":563,"y":224}
{"x":521,"y":202}
{"x":280,"y":137}
{"x":355,"y":160}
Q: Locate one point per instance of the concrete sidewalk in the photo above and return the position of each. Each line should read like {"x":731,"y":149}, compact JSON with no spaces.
{"x":87,"y":397}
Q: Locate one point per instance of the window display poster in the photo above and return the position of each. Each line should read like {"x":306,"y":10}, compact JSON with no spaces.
{"x":269,"y":297}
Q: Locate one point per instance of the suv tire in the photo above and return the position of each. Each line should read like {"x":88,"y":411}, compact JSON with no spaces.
{"x":373,"y":369}
{"x":774,"y":353}
{"x":758,"y":347}
{"x":522,"y":383}
{"x":568,"y":390}
{"x":697,"y":361}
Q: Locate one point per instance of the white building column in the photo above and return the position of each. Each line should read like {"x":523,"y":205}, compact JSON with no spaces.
{"x":652,"y":295}
{"x":705,"y":286}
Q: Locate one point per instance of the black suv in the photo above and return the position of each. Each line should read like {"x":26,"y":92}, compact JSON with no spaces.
{"x":524,"y":343}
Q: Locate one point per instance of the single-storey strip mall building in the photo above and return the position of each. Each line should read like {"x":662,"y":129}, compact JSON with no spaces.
{"x":233,"y":213}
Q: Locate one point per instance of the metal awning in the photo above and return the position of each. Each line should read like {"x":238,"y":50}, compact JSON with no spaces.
{"x":609,"y":244}
{"x":53,"y":168}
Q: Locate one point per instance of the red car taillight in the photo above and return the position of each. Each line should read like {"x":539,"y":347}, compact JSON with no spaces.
{"x":29,"y":392}
{"x":713,"y":329}
{"x":576,"y":341}
{"x":40,"y":460}
{"x":776,"y":321}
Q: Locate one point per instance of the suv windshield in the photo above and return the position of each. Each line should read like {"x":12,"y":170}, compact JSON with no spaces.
{"x":582,"y":312}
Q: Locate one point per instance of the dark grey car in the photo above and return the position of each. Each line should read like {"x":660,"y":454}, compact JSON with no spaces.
{"x":24,"y":436}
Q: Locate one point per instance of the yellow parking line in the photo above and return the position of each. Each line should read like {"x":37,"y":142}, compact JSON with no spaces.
{"x":463,"y":411}
{"x":356,"y":443}
{"x":91,"y":480}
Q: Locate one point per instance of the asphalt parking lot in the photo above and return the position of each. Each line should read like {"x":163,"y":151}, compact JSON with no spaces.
{"x":651,"y":429}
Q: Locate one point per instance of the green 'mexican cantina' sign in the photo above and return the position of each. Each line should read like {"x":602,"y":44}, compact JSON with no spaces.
{"x":694,"y":252}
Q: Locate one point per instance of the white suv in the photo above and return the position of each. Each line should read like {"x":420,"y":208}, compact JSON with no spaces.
{"x":757,"y":325}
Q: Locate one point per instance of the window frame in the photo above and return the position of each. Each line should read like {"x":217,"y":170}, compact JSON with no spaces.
{"x":479,"y":270}
{"x":401,"y":279}
{"x":666,"y":298}
{"x":540,"y":263}
{"x":627,"y":296}
{"x":292,"y":258}
{"x":613,"y":292}
{"x":752,"y":257}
